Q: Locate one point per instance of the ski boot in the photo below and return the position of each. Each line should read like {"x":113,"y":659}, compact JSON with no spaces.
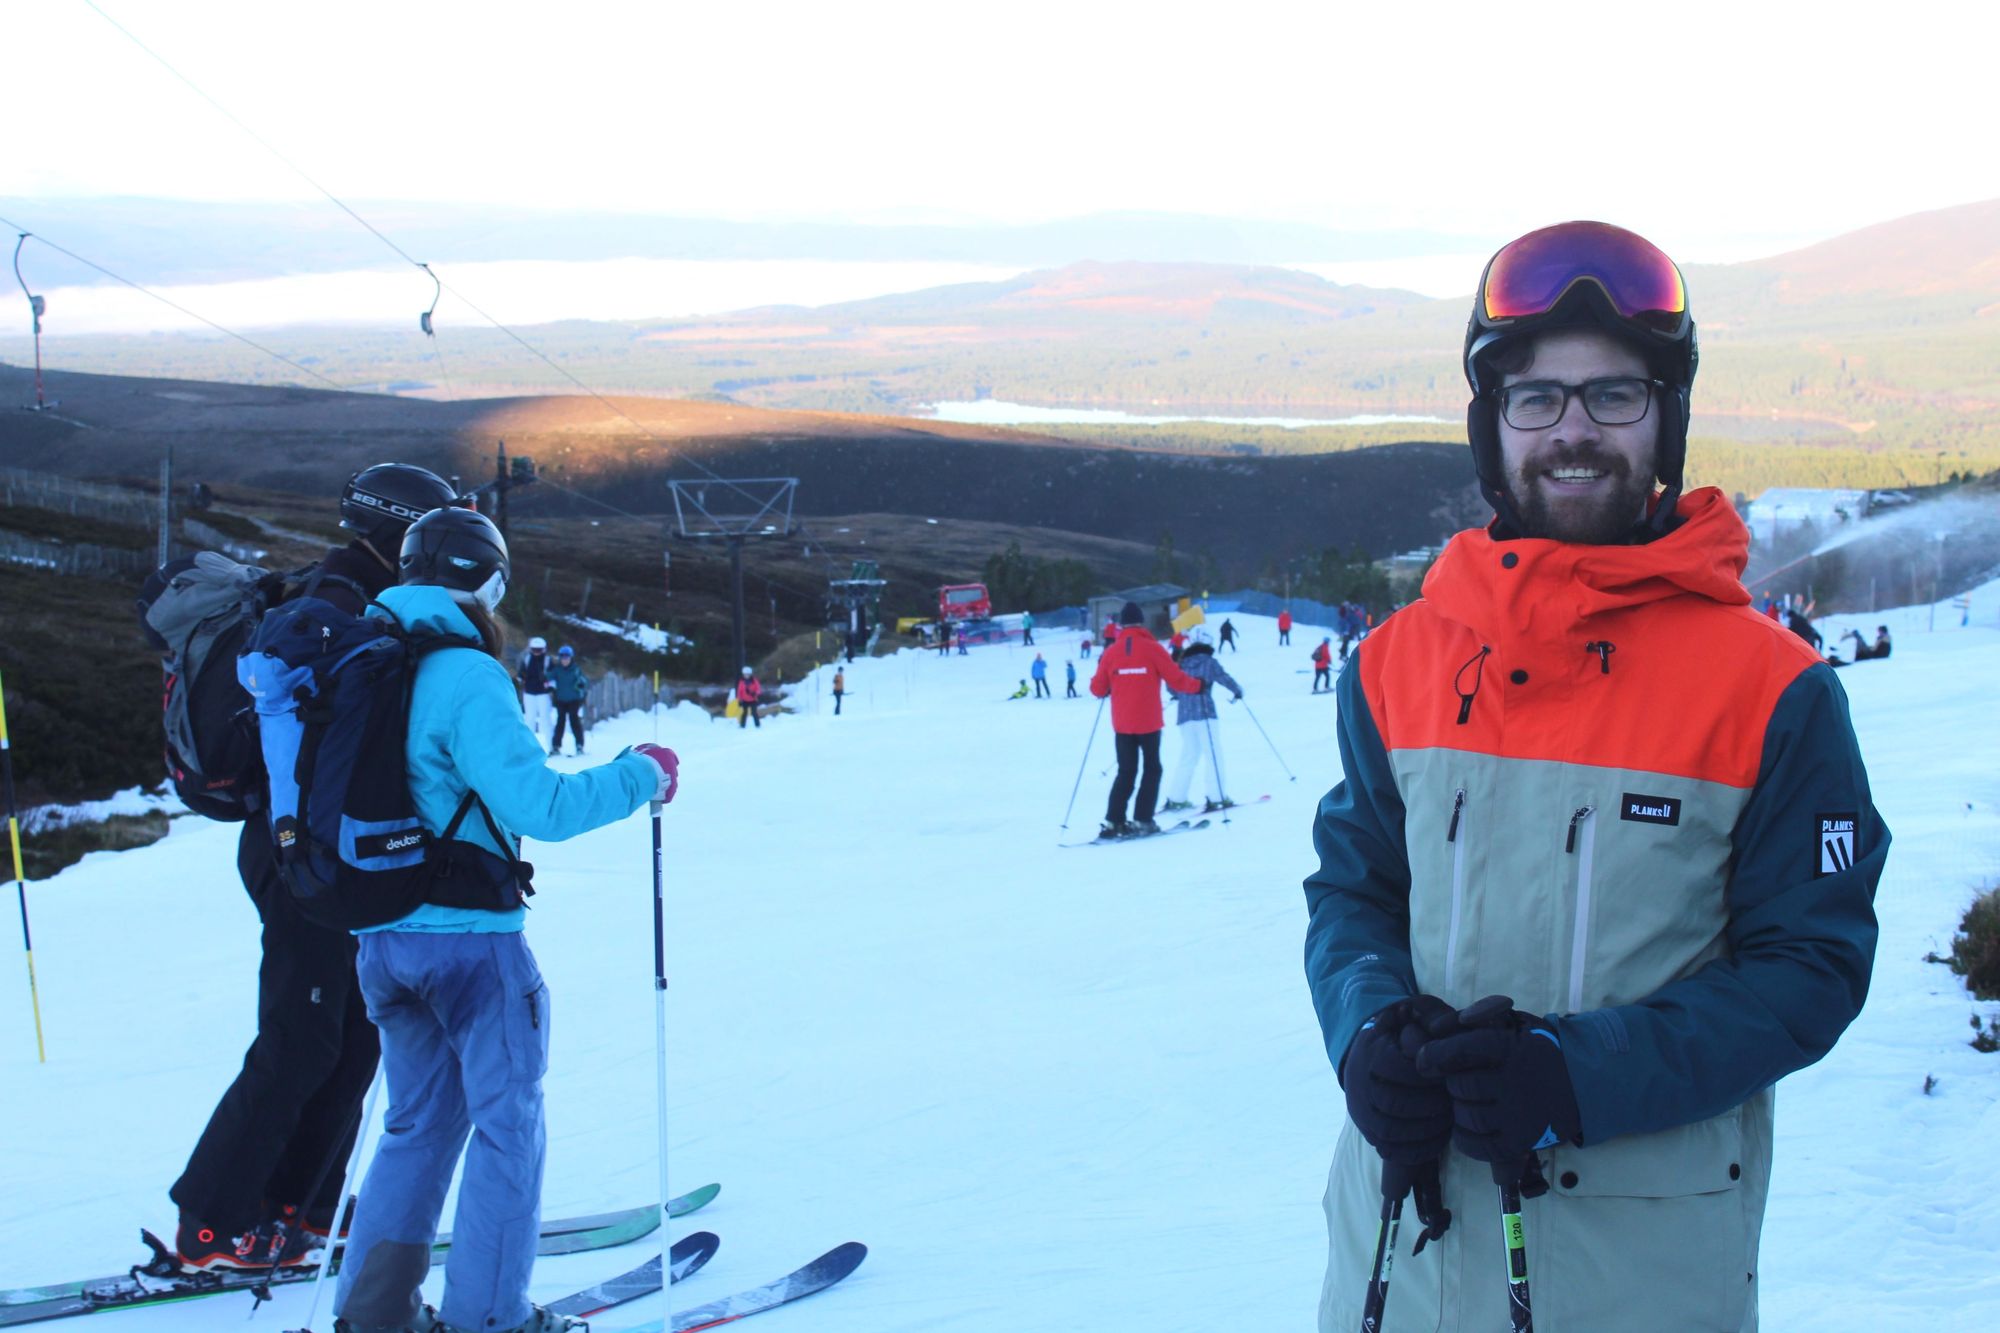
{"x":425,"y":1322}
{"x":1142,"y":828}
{"x":1170,"y":807}
{"x":204,"y":1249}
{"x":317,"y":1223}
{"x":1210,"y":807}
{"x":1114,"y":829}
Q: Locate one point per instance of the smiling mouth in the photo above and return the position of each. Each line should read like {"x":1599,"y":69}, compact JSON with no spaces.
{"x":1576,"y":476}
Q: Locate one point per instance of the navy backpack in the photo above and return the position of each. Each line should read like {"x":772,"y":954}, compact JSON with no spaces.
{"x":332,"y":694}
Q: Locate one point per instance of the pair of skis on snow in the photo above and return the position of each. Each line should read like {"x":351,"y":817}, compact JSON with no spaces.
{"x":1184,"y":826}
{"x":162,"y":1279}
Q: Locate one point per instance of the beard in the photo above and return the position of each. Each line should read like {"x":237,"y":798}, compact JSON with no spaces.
{"x":1608,"y":516}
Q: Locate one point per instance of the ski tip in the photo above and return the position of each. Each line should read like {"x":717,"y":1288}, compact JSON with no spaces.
{"x":843,"y":1259}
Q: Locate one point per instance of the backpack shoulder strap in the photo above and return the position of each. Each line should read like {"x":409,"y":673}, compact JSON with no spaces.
{"x":315,"y":576}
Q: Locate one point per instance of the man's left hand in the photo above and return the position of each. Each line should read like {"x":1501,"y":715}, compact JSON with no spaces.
{"x":1510,"y":1090}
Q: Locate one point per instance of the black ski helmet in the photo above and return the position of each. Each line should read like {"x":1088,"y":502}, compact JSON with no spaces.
{"x":1590,"y":275}
{"x":458,"y":549}
{"x":380,"y":502}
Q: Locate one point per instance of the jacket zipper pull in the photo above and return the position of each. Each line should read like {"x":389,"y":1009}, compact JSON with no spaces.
{"x":1457,"y":805}
{"x":1583,"y":812}
{"x":1465,"y":697}
{"x":1603,"y":648}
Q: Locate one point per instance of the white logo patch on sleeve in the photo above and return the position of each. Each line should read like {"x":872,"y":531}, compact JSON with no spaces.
{"x":1836,"y":843}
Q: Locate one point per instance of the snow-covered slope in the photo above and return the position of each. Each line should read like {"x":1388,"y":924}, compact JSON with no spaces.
{"x":1052,"y":1089}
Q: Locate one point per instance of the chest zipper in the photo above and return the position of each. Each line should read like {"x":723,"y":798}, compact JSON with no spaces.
{"x":1457,"y":892}
{"x":1582,"y":844}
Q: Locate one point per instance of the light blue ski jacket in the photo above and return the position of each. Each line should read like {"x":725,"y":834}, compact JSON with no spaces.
{"x":466,"y":732}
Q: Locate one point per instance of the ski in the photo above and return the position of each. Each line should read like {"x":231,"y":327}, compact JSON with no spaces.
{"x":816,"y":1276}
{"x":1183,"y":827}
{"x":161,"y":1279}
{"x":683,"y":1204}
{"x":688,"y":1255}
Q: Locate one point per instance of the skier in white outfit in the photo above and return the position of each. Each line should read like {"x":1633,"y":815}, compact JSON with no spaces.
{"x":1200,"y":750}
{"x":537,"y":690}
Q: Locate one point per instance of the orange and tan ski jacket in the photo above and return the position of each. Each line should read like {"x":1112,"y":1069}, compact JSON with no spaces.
{"x":1593,"y":779}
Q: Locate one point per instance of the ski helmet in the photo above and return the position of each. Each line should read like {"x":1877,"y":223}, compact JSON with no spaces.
{"x":746,"y":671}
{"x":458,"y":550}
{"x":380,"y":502}
{"x":1587,"y":275}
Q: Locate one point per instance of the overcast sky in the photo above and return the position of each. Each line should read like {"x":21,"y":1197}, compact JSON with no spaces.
{"x":1721,"y":130}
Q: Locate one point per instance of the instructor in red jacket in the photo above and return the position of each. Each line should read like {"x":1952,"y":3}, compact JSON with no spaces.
{"x":1129,"y":673}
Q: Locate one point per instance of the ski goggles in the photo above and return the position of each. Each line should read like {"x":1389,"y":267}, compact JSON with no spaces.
{"x":1531,"y":276}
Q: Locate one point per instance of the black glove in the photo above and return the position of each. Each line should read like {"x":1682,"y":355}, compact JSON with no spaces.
{"x":1510,"y":1090}
{"x":1405,"y":1115}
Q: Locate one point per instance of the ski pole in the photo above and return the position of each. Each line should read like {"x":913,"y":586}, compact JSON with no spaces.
{"x":346,"y":1201}
{"x":660,"y":1051}
{"x":1268,"y":741}
{"x":1395,"y":1185}
{"x":1083,"y":764}
{"x":1508,"y":1177}
{"x":20,"y":880}
{"x":1215,"y":761}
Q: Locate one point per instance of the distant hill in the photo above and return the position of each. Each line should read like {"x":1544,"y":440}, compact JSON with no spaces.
{"x":1879,"y":346}
{"x":1947,"y":252}
{"x":1242,"y":512}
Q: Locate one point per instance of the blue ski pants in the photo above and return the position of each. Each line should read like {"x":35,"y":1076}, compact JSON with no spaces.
{"x":464,"y":1020}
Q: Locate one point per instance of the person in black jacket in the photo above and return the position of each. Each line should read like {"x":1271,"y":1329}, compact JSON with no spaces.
{"x":266,"y":1171}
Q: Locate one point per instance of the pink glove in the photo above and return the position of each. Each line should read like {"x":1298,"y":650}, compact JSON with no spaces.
{"x":670,"y":769}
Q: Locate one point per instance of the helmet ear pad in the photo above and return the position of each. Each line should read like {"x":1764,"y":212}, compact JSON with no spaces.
{"x":1482,"y":428}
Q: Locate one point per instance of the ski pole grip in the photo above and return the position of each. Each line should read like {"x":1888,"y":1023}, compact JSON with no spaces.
{"x":1398,"y":1179}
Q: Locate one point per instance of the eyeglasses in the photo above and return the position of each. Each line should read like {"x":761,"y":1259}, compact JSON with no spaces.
{"x":1536,"y":404}
{"x":1532,"y":275}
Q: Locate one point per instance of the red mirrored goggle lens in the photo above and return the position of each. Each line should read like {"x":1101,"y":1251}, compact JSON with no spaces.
{"x":1532,"y":274}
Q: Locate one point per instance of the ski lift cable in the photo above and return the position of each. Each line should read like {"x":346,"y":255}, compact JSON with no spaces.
{"x":267,"y":145}
{"x":167,"y":301}
{"x":375,"y":231}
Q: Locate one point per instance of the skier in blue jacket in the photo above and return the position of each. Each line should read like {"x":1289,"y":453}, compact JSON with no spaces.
{"x":458,"y":999}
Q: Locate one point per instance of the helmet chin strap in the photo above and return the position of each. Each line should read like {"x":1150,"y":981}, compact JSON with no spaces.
{"x":368,"y":544}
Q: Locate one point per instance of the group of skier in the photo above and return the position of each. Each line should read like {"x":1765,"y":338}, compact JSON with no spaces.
{"x":446,"y":996}
{"x":1576,"y":908}
{"x":557,"y":683}
{"x":1131,"y":670}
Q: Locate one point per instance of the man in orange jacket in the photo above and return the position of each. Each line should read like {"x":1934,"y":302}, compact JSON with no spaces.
{"x":1578,"y":908}
{"x":1129,"y":673}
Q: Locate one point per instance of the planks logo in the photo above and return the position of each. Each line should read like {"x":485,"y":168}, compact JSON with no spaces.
{"x":1836,"y":843}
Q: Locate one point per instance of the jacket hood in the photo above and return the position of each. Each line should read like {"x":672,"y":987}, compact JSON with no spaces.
{"x":1549,"y":583}
{"x":424,"y":609}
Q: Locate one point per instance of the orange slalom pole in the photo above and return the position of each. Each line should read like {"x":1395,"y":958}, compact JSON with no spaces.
{"x":20,"y":880}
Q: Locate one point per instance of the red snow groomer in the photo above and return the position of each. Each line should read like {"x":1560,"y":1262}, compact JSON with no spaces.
{"x":964,"y":601}
{"x":967,"y":609}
